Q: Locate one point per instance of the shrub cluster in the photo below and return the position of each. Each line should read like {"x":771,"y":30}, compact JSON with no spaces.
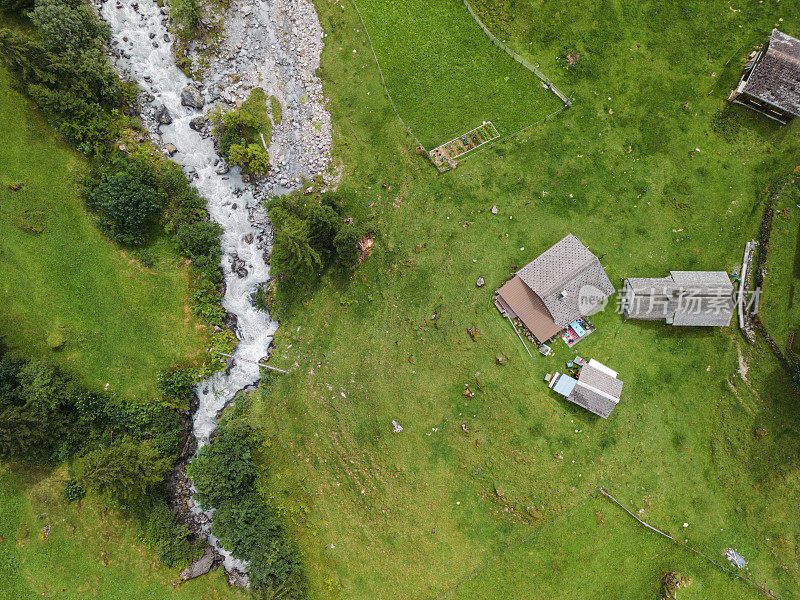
{"x":310,"y":236}
{"x":224,"y":474}
{"x":63,"y":67}
{"x":118,"y":450}
{"x":239,"y":134}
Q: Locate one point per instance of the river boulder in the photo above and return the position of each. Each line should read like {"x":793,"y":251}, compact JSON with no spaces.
{"x":191,"y":97}
{"x":197,"y":123}
{"x":162,"y":115}
{"x":199,"y":567}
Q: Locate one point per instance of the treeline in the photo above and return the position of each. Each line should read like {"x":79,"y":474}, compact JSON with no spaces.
{"x":312,"y":236}
{"x":121,"y":451}
{"x":62,"y":66}
{"x":59,"y":61}
{"x":224,"y":474}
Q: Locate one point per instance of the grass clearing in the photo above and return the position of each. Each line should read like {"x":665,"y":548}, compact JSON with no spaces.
{"x":633,"y":562}
{"x":66,"y":291}
{"x":779,"y":305}
{"x":90,"y":552}
{"x":445,"y":76}
{"x":635,"y":170}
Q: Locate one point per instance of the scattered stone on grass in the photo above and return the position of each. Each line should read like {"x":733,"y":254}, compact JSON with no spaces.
{"x":480,"y":282}
{"x":396,"y":427}
{"x":670,"y":584}
{"x":468,"y":393}
{"x":494,"y":210}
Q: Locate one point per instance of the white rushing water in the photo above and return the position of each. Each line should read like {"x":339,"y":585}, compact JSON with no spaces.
{"x":142,"y":50}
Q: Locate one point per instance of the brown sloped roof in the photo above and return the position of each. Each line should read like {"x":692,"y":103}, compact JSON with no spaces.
{"x":529,"y":308}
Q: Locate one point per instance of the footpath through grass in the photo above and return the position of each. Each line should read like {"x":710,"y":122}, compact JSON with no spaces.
{"x":66,"y":291}
{"x":642,"y":171}
{"x":443,"y":72}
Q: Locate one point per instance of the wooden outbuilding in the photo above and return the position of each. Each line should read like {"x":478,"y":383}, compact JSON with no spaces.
{"x":771,"y":80}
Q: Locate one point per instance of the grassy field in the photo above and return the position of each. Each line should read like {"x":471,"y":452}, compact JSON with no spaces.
{"x":632,"y":562}
{"x":66,"y":291}
{"x":89,"y":552}
{"x":652,"y":172}
{"x":779,"y":308}
{"x":443,"y":73}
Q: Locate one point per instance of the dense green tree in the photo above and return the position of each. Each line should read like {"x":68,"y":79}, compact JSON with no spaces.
{"x":253,"y":158}
{"x":68,"y":27}
{"x":176,"y":384}
{"x":168,"y":537}
{"x":346,"y":244}
{"x":36,"y":407}
{"x":251,"y":531}
{"x":324,"y":223}
{"x":17,"y":7}
{"x":293,"y":253}
{"x":123,"y":471}
{"x":199,"y":239}
{"x":65,"y":70}
{"x":127,"y":206}
{"x":224,"y":469}
{"x":186,"y":15}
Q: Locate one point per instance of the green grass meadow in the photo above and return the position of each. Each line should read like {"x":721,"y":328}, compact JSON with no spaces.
{"x":64,"y":285}
{"x":90,"y":552}
{"x":67,"y":293}
{"x":653,"y":172}
{"x":444,"y":74}
{"x":779,"y":305}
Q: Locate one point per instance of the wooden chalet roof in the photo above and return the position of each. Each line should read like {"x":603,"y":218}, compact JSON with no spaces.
{"x":524,"y":302}
{"x":775,"y":78}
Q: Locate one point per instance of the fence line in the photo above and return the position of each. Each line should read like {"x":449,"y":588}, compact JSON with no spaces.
{"x":518,"y":58}
{"x":666,"y":535}
{"x":520,"y":131}
{"x":383,"y":81}
{"x":550,"y":85}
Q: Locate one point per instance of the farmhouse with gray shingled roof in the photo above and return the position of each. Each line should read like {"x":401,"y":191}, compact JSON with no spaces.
{"x":685,"y":298}
{"x":561,"y":285}
{"x":771,"y":80}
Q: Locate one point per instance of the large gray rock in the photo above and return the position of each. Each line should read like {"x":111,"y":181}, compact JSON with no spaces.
{"x":199,"y":567}
{"x":191,"y":97}
{"x":197,"y":123}
{"x":163,"y":116}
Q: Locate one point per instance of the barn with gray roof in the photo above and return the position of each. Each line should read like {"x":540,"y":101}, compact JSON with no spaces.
{"x":563,"y":284}
{"x":771,"y":80}
{"x":685,"y":298}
